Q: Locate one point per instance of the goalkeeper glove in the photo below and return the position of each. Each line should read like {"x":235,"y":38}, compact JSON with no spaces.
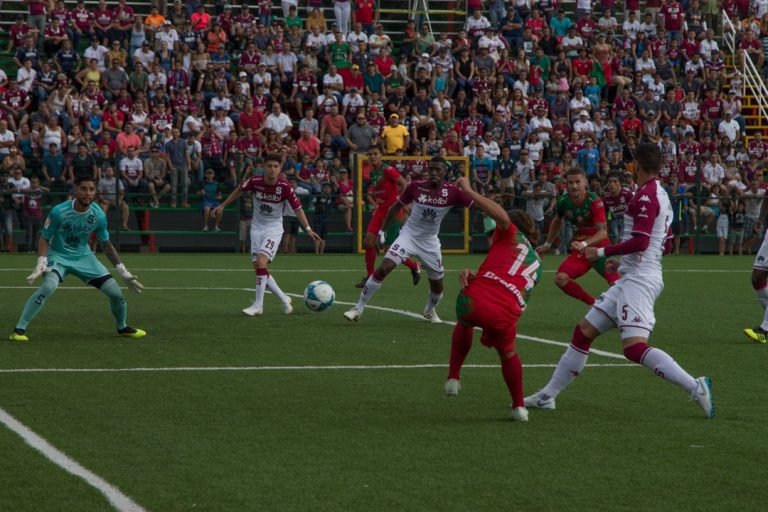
{"x":382,"y":237}
{"x":131,"y":280}
{"x":40,"y":268}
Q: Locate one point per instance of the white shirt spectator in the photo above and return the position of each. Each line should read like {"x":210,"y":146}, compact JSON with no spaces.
{"x":98,"y":54}
{"x":761,"y":6}
{"x":157,"y":79}
{"x":647,"y":67}
{"x":729,"y":128}
{"x":354,"y":38}
{"x":146,"y":58}
{"x":574,"y":43}
{"x":19,"y":184}
{"x":695,"y":66}
{"x":131,"y":165}
{"x":479,"y":24}
{"x":171,"y":37}
{"x":713,"y":173}
{"x":438,"y":107}
{"x":222,"y":126}
{"x":649,"y":29}
{"x":332,"y":80}
{"x":264,"y":79}
{"x":631,"y":28}
{"x":579,"y":105}
{"x":356,"y":101}
{"x":491,"y":149}
{"x":217,"y":103}
{"x":8,"y":136}
{"x":278,"y":123}
{"x":379,"y":41}
{"x":542,"y":122}
{"x":287,"y":62}
{"x":535,"y":150}
{"x":192,"y":124}
{"x":657,"y":88}
{"x":584,"y":127}
{"x":25,"y":78}
{"x":316,"y":41}
{"x":707,"y":47}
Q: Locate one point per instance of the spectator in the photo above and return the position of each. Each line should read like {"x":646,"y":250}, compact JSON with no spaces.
{"x":210,"y":198}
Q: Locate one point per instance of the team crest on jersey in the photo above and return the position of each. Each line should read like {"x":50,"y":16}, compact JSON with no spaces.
{"x":429,"y":215}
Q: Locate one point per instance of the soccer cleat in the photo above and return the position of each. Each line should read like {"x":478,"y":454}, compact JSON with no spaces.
{"x":703,"y":395}
{"x":362,"y":282}
{"x":539,"y":400}
{"x":757,"y":334}
{"x":416,"y":274}
{"x":431,"y":316}
{"x":130,"y":332}
{"x":353,"y":315}
{"x":452,"y":387}
{"x":18,"y":335}
{"x":288,"y":307}
{"x":253,"y":310}
{"x":519,"y":414}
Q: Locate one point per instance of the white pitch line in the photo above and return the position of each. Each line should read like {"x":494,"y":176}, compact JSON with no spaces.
{"x":282,"y":368}
{"x":396,"y":311}
{"x":118,"y":500}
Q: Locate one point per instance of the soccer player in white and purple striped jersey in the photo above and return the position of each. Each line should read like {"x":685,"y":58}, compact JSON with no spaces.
{"x":629,"y":303}
{"x":430,"y":200}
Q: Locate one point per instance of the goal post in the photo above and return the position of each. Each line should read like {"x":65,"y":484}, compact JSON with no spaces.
{"x":454,"y":231}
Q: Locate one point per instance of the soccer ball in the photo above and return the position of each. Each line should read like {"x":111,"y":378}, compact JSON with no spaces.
{"x":319,"y":296}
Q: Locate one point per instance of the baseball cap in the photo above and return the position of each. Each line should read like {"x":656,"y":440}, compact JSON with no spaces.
{"x":374,"y":108}
{"x":424,"y":55}
{"x":355,"y":66}
{"x":167,"y":23}
{"x":584,"y":113}
{"x":395,"y":116}
{"x":243,"y":73}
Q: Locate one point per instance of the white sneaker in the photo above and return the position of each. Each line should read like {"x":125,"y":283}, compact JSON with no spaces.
{"x":703,"y":395}
{"x":288,"y":307}
{"x":452,"y":387}
{"x":539,"y":400}
{"x":253,"y":310}
{"x":519,"y":414}
{"x":353,"y":315}
{"x":431,"y":316}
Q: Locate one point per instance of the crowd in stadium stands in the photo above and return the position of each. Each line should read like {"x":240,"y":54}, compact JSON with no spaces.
{"x":192,"y":98}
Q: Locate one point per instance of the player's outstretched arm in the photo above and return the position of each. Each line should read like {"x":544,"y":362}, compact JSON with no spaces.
{"x":131,"y":280}
{"x":42,"y":261}
{"x":490,"y":208}
{"x":552,"y":234}
{"x":231,"y":198}
{"x":305,"y":224}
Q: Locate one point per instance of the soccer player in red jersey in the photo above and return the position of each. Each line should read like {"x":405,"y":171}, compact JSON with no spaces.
{"x":629,"y":304}
{"x":586,"y":211}
{"x":386,"y":186}
{"x":494,"y":297}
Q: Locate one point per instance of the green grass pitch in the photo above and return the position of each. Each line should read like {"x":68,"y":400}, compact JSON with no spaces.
{"x":225,"y":412}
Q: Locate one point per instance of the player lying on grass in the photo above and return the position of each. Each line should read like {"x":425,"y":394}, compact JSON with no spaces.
{"x":760,"y":278}
{"x":431,"y":200}
{"x":270,"y":191}
{"x":386,"y":185}
{"x":587,"y":214}
{"x":495,"y":297}
{"x":63,"y":249}
{"x":629,"y":303}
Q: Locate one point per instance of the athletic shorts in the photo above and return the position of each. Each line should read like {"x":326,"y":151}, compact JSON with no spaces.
{"x":761,"y":260}
{"x":265,"y":242}
{"x":428,"y":251}
{"x":478,"y":306}
{"x":377,"y":221}
{"x":86,"y":268}
{"x":628,"y":305}
{"x":576,"y":265}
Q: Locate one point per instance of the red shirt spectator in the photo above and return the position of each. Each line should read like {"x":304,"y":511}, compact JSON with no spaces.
{"x":673,"y":14}
{"x":364,"y":12}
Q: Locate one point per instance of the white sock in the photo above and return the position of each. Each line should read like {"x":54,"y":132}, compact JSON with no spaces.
{"x":433,"y":300}
{"x":568,"y":368}
{"x":369,"y":290}
{"x":261,"y":286}
{"x":272,"y":285}
{"x":662,"y":364}
{"x":762,"y":298}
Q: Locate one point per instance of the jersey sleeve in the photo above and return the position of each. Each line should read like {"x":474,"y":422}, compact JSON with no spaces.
{"x":102,"y":234}
{"x":407,"y":196}
{"x":292,"y":199}
{"x":246,"y":186}
{"x":391,"y":174}
{"x":644,"y":211}
{"x":598,"y":210}
{"x":51,"y":224}
{"x":500,"y":234}
{"x":462,"y":198}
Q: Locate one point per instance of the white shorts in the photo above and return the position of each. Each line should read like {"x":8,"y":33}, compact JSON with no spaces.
{"x":761,"y":260}
{"x":265,"y":242}
{"x":428,"y":251}
{"x":722,"y":226}
{"x":628,"y":305}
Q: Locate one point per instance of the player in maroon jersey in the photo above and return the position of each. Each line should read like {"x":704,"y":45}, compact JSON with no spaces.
{"x":494,"y":297}
{"x":386,"y":186}
{"x":270,"y":191}
{"x":587,"y":213}
{"x":615,"y":201}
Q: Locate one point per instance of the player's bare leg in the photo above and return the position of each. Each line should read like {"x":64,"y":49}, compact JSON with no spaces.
{"x":434,"y":298}
{"x":370,"y":288}
{"x":572,"y":288}
{"x":760,"y":285}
